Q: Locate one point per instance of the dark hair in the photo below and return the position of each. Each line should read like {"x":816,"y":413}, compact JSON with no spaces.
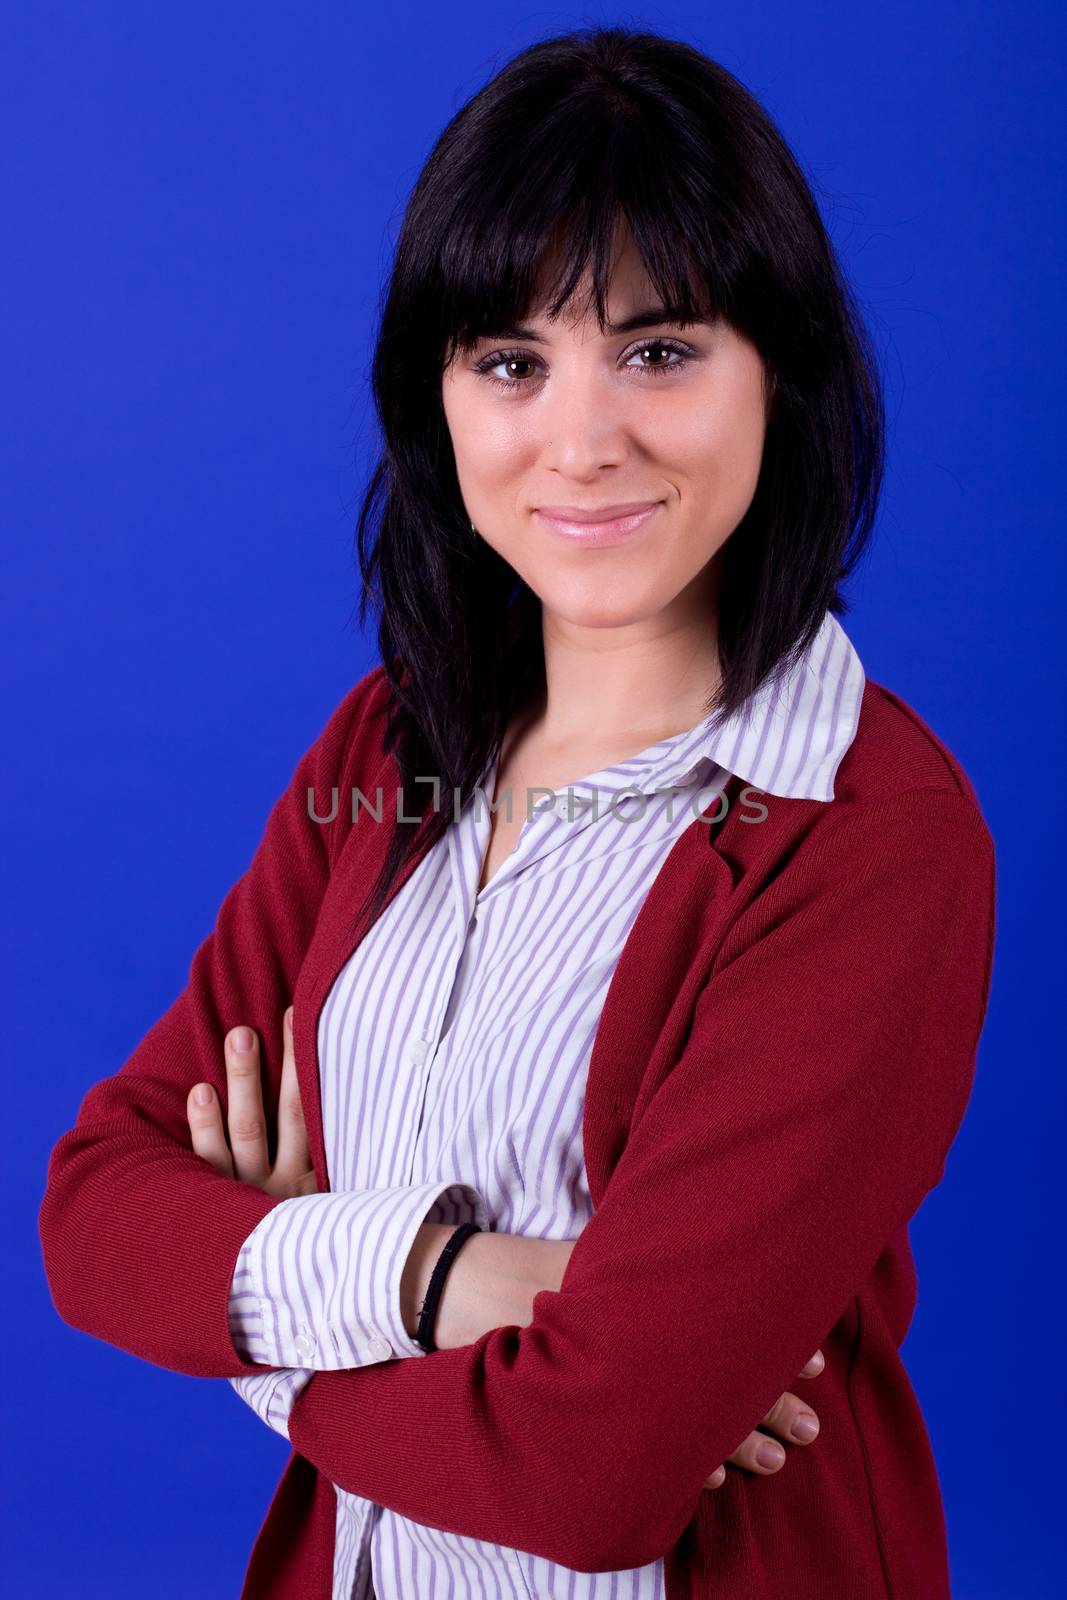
{"x":570,"y":135}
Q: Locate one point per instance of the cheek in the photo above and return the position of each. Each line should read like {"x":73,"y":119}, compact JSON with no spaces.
{"x":474,"y":427}
{"x":715,"y":444}
{"x":489,"y":443}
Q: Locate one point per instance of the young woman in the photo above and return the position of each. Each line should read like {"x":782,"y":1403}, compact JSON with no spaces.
{"x":516,"y":1141}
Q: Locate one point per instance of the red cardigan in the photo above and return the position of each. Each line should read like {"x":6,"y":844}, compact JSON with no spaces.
{"x":784,"y":1057}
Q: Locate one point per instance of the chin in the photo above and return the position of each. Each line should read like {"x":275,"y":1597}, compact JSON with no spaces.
{"x":600,"y":609}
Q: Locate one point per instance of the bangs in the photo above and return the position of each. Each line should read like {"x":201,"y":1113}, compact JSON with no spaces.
{"x":520,"y":244}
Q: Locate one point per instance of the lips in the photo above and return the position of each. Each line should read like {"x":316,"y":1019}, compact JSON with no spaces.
{"x":610,"y":525}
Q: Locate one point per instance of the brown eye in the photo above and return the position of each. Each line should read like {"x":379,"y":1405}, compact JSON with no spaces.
{"x":505,"y":358}
{"x":661,"y":347}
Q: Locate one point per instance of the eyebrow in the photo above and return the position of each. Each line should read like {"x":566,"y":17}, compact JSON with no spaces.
{"x":647,"y":317}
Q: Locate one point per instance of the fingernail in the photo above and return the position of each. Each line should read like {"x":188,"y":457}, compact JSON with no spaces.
{"x":770,"y":1454}
{"x":805,"y":1428}
{"x":201,"y":1094}
{"x":241,"y":1039}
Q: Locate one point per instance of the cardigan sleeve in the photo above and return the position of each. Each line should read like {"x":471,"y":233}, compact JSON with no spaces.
{"x":140,"y":1235}
{"x":811,"y":1108}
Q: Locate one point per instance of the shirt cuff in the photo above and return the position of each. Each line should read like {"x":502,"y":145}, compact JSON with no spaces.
{"x":272,"y":1395}
{"x":317,"y":1281}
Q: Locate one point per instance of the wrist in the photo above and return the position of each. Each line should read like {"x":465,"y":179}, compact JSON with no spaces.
{"x":423,"y":1256}
{"x":464,"y":1309}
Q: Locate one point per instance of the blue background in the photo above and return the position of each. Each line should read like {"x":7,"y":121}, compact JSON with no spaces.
{"x":199,"y":206}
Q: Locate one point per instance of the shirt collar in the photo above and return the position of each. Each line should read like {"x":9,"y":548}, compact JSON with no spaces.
{"x":787,"y":739}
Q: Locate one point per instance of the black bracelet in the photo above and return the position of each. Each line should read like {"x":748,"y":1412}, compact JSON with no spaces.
{"x":424,"y":1335}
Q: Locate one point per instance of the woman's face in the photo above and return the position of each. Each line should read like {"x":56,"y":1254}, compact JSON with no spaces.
{"x":559,"y":416}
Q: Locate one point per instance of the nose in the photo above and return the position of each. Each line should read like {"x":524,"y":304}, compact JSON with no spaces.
{"x":584,"y":426}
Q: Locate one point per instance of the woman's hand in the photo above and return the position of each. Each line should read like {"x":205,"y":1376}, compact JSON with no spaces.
{"x":781,"y":1419}
{"x":246,"y":1156}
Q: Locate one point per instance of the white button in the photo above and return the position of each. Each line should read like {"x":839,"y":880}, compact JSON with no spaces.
{"x":305,"y":1345}
{"x":563,"y":808}
{"x":417,"y":1051}
{"x":378,"y":1349}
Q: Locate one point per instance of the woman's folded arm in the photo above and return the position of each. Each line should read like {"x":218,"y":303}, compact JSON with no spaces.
{"x":811,"y":1109}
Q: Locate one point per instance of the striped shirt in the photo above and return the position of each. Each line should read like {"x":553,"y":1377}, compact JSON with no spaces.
{"x":454,"y":1047}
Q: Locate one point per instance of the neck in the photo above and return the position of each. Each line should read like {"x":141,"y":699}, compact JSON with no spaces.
{"x":631,"y":684}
